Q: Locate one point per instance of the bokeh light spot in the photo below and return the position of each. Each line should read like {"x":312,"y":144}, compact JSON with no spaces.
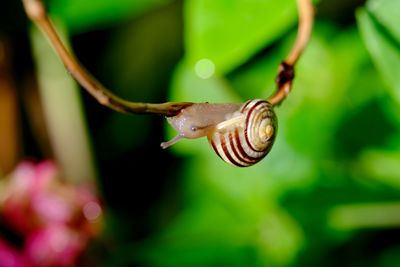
{"x":91,"y":211}
{"x":204,"y":68}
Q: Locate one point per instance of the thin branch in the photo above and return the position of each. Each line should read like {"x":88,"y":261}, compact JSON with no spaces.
{"x":37,"y":13}
{"x":286,"y":68}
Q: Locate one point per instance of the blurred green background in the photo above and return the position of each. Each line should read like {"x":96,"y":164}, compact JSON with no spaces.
{"x":328,"y":194}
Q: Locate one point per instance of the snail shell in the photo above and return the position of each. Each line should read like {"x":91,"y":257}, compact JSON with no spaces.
{"x":247,"y":140}
{"x":241,"y":134}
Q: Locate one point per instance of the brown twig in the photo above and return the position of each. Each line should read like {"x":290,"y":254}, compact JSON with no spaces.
{"x":37,"y":13}
{"x":285,"y":75}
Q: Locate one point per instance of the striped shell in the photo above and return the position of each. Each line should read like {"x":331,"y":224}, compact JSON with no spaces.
{"x":250,"y":138}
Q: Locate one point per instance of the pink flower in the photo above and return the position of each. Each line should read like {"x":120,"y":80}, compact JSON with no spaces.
{"x":55,"y":245}
{"x":56,"y":219}
{"x":26,"y":184}
{"x":35,"y":197}
{"x":9,"y":257}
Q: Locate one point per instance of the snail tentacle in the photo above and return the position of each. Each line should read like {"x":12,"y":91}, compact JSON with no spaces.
{"x":171,"y":142}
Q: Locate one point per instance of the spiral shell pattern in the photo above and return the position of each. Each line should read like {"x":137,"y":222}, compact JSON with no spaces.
{"x":249,"y":140}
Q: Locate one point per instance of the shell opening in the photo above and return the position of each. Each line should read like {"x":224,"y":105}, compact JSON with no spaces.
{"x":231,"y":122}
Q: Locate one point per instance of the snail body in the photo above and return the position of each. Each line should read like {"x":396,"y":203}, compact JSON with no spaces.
{"x":240,"y":134}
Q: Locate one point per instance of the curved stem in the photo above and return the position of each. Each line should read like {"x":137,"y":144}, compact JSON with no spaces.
{"x":286,"y":68}
{"x":37,"y":13}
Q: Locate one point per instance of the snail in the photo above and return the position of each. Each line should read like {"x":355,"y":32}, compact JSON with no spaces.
{"x":240,"y":134}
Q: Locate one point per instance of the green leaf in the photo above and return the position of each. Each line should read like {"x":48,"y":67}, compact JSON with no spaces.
{"x":388,"y":13}
{"x":228,"y":32}
{"x":383,"y":48}
{"x":230,"y":238}
{"x":381,"y":165}
{"x":256,"y":79}
{"x":365,"y":215}
{"x":80,"y":15}
{"x":187,"y":86}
